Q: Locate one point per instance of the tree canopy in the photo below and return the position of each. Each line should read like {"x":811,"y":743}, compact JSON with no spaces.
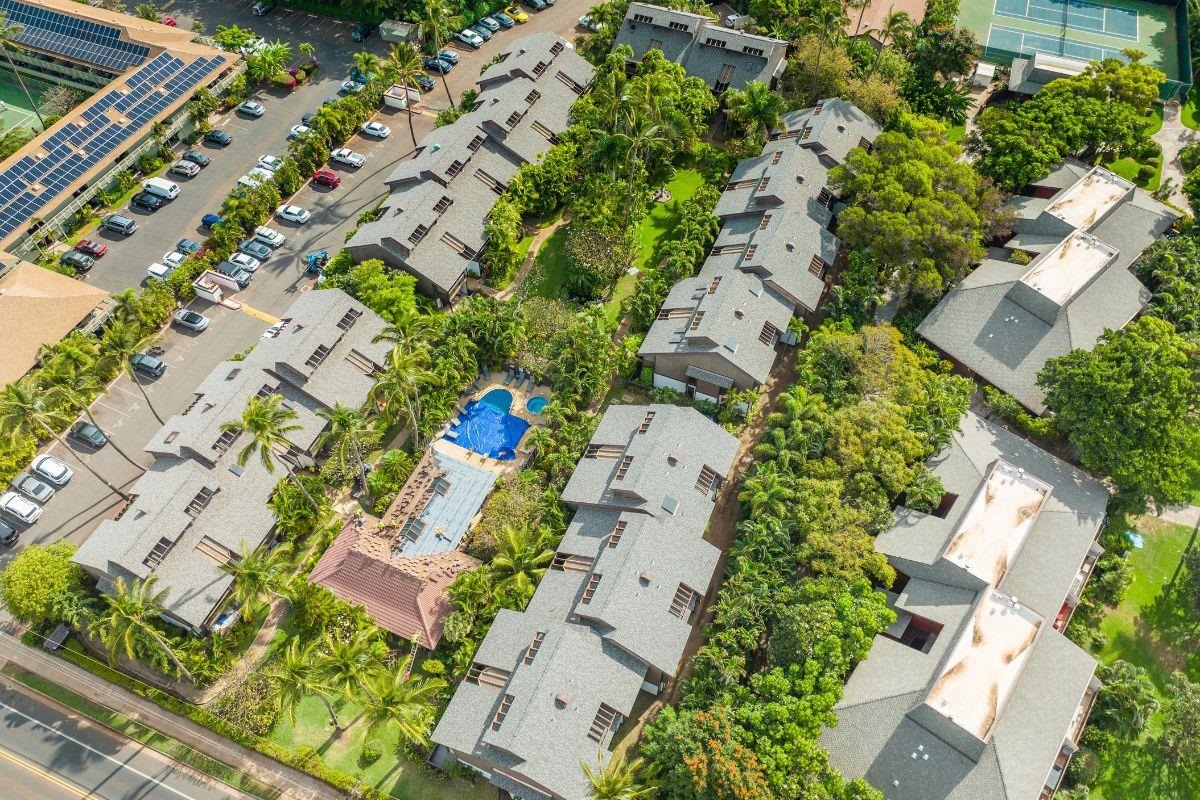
{"x":1129,"y":405}
{"x":36,"y":581}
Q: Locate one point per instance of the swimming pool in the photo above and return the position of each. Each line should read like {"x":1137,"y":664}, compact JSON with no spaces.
{"x":536,"y":405}
{"x":499,"y":399}
{"x":489,"y":430}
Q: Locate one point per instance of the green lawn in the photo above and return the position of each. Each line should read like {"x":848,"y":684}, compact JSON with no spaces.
{"x":549,"y":270}
{"x":1188,"y":113}
{"x":956,"y":133}
{"x":1127,"y":168}
{"x":1155,"y":120}
{"x":1143,"y":630}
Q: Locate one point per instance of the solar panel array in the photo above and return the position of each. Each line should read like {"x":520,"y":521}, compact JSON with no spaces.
{"x":29,"y":184}
{"x":74,"y":38}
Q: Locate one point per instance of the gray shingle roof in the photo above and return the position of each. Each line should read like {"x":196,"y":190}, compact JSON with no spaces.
{"x":988,"y":322}
{"x":187,"y":563}
{"x":884,"y":716}
{"x":433,"y":223}
{"x":720,"y":56}
{"x":561,"y":658}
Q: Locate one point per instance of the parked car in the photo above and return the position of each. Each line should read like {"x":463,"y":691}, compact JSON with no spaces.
{"x":246,"y":262}
{"x":438,"y":66}
{"x":147,"y":365}
{"x":589,"y":24}
{"x":469,"y":37}
{"x":49,"y":468}
{"x":118,"y":223}
{"x":210,"y":221}
{"x":326,"y":178}
{"x":519,"y":16}
{"x":252,"y":108}
{"x":87,"y":433}
{"x":159,"y":271}
{"x":167,"y":190}
{"x":269,"y":236}
{"x":351,"y":87}
{"x":344,"y":155}
{"x":376,"y":129}
{"x":8,"y":535}
{"x":91,"y":248}
{"x":256,"y":249}
{"x":482,"y":31}
{"x":147,"y":200}
{"x":536,"y":5}
{"x":173,"y":259}
{"x":488,"y":23}
{"x":294,"y":214}
{"x":187,"y":246}
{"x":196,"y":157}
{"x":218,"y":138}
{"x":262,"y":8}
{"x":425,"y":82}
{"x":192,"y":320}
{"x":449,"y":56}
{"x":33,"y":487}
{"x":20,"y":507}
{"x":231,"y":270}
{"x":307,"y":117}
{"x":77,"y":261}
{"x":505,"y":20}
{"x":187,"y":169}
{"x":362,"y":32}
{"x":299,"y":132}
{"x":270,"y":163}
{"x":328,"y":101}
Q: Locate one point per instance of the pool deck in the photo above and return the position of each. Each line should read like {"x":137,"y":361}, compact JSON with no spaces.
{"x":520,"y":398}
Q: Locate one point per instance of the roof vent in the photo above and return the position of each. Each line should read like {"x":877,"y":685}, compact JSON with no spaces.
{"x":237,"y":469}
{"x":737,"y":312}
{"x":731,"y":345}
{"x":756,"y":288}
{"x":841,"y":128}
{"x":561,"y":700}
{"x":673,"y":459}
{"x":791,"y":246}
{"x":644,"y":577}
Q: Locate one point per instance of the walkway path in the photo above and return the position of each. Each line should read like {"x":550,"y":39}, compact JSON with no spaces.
{"x":539,"y":239}
{"x":1172,"y":137}
{"x":1182,"y":515}
{"x":293,"y":783}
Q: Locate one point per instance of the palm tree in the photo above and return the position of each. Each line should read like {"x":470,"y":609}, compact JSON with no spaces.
{"x":403,"y":701}
{"x":307,"y":50}
{"x":436,"y":20}
{"x":27,"y":411}
{"x":756,"y":108}
{"x":400,"y":387}
{"x":367,"y":64}
{"x":406,"y":64}
{"x":896,"y":24}
{"x":349,"y":668}
{"x":824,"y":23}
{"x":123,"y":341}
{"x":925,"y":492}
{"x":13,"y":140}
{"x":127,"y":623}
{"x":861,"y":6}
{"x":268,"y":422}
{"x":349,"y":437}
{"x":258,"y":574}
{"x":766,"y":492}
{"x":9,"y":31}
{"x":78,"y":386}
{"x":617,"y":779}
{"x":297,"y":671}
{"x":523,"y":557}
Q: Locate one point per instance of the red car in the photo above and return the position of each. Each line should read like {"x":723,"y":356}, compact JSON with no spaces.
{"x":168,"y":21}
{"x":90,"y":248}
{"x":327,"y":178}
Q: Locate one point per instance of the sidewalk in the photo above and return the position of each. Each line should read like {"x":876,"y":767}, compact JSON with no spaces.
{"x":293,"y":783}
{"x":1173,"y":136}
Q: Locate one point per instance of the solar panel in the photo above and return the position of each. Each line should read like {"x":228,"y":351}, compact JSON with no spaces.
{"x":78,"y":39}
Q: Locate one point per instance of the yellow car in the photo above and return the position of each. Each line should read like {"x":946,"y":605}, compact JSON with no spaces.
{"x":520,"y":16}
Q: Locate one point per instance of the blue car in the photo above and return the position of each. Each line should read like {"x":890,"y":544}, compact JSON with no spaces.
{"x":211,"y":221}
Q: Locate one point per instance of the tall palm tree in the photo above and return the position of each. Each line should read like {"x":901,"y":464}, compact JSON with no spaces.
{"x":298,"y":673}
{"x":257,"y":574}
{"x":350,"y":436}
{"x":861,"y":6}
{"x":523,"y":557}
{"x":367,"y":64}
{"x":403,"y":701}
{"x":9,"y":31}
{"x":27,"y":411}
{"x":437,"y":19}
{"x":617,"y":779}
{"x":126,"y":625}
{"x":399,"y":388}
{"x":268,"y":422}
{"x":124,"y":340}
{"x":406,"y":64}
{"x":349,"y":668}
{"x":766,"y":492}
{"x":78,"y":387}
{"x":756,"y":108}
{"x":925,"y":492}
{"x":825,"y":22}
{"x":896,"y":25}
{"x":12,"y":140}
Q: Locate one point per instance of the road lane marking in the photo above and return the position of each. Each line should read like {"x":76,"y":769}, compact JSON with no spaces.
{"x":105,"y":756}
{"x":29,"y":766}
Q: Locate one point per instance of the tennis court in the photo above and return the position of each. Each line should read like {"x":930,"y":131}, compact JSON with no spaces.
{"x":1087,"y":30}
{"x":1079,"y":15}
{"x":14,"y":106}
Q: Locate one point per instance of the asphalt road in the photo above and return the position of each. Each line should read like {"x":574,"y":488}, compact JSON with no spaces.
{"x":78,"y":508}
{"x":47,"y":754}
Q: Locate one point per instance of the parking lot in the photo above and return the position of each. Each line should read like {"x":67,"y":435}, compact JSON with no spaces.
{"x":79,"y":507}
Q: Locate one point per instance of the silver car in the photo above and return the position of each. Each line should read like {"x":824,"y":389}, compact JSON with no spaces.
{"x":20,"y":507}
{"x":32,"y":487}
{"x":252,"y":109}
{"x":192,"y":320}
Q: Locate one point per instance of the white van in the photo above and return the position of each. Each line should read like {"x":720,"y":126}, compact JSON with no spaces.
{"x":163,"y":188}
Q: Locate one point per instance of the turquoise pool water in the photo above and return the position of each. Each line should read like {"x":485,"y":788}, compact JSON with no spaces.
{"x":499,"y":399}
{"x":536,"y":405}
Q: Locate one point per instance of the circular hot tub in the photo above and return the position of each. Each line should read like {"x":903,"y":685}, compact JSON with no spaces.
{"x":536,"y":405}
